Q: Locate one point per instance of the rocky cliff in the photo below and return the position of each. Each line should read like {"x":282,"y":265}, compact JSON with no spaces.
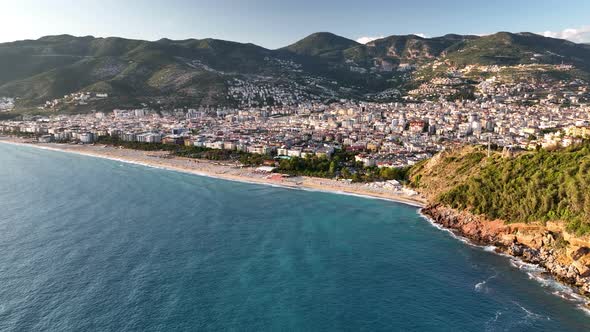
{"x":566,"y":257}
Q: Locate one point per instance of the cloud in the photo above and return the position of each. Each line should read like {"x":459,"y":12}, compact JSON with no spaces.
{"x":364,"y":40}
{"x":577,"y":35}
{"x":421,"y":35}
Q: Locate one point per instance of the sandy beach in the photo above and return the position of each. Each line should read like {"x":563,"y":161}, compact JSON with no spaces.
{"x":226,"y":171}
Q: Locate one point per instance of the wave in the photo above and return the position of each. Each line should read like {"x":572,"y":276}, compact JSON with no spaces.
{"x":490,"y":248}
{"x":541,"y":276}
{"x":533,"y":271}
{"x":584,"y":308}
{"x":481,"y":286}
{"x":520,"y":264}
{"x":529,"y":315}
{"x":490,"y":325}
{"x":478,"y":287}
{"x":514,"y":319}
{"x":451,"y":232}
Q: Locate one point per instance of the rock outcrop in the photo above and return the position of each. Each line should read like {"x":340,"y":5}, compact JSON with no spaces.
{"x":567,"y":258}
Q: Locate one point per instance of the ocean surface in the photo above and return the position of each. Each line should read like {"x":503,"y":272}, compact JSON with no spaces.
{"x":95,"y":244}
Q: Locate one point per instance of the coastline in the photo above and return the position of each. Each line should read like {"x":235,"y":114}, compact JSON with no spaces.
{"x":532,"y":248}
{"x":218,"y":170}
{"x":522,"y":256}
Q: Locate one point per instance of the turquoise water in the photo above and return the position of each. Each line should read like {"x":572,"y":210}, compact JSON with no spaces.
{"x":93,"y":244}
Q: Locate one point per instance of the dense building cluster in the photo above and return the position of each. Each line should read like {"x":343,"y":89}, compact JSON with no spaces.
{"x":74,"y":99}
{"x":381,"y":134}
{"x":6,"y":104}
{"x":521,"y":106}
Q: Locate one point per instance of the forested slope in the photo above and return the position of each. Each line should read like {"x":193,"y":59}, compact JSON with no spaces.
{"x":531,"y":187}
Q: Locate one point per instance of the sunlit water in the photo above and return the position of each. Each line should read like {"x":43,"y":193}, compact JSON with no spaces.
{"x":94,"y":244}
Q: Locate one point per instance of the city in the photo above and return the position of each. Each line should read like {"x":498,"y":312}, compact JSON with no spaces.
{"x":298,"y":165}
{"x":381,"y":134}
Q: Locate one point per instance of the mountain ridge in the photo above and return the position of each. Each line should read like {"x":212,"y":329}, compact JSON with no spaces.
{"x":322,"y":66}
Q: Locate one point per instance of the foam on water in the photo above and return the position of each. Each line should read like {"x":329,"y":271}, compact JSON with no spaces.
{"x":544,"y":278}
{"x":481,"y":286}
{"x":448,"y":231}
{"x":533,"y":271}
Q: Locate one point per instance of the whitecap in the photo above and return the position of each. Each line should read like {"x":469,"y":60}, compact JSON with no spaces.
{"x":452,"y":233}
{"x":490,"y":248}
{"x":584,"y":308}
{"x":530,"y":316}
{"x":491,"y":323}
{"x":533,"y":271}
{"x":481,"y":286}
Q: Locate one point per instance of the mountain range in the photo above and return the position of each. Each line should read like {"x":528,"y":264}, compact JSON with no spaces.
{"x":211,"y":72}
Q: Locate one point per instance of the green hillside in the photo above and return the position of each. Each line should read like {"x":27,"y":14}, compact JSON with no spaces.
{"x":506,"y":48}
{"x":532,"y":187}
{"x":189,"y":72}
{"x":412,"y":48}
{"x":193,"y":72}
{"x":323,"y":44}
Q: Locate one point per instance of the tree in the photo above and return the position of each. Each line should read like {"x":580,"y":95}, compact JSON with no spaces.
{"x":332,"y":169}
{"x":345,"y":173}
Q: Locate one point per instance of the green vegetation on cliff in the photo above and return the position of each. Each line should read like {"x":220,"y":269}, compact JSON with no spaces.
{"x":532,"y":187}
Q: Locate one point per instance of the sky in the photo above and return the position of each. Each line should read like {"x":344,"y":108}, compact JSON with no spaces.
{"x":275,"y":24}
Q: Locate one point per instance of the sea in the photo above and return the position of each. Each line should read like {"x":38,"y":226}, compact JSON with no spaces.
{"x":89,"y":244}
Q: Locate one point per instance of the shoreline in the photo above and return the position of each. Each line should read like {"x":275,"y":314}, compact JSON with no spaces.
{"x":539,"y":260}
{"x":535,"y":268}
{"x":218,"y":170}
